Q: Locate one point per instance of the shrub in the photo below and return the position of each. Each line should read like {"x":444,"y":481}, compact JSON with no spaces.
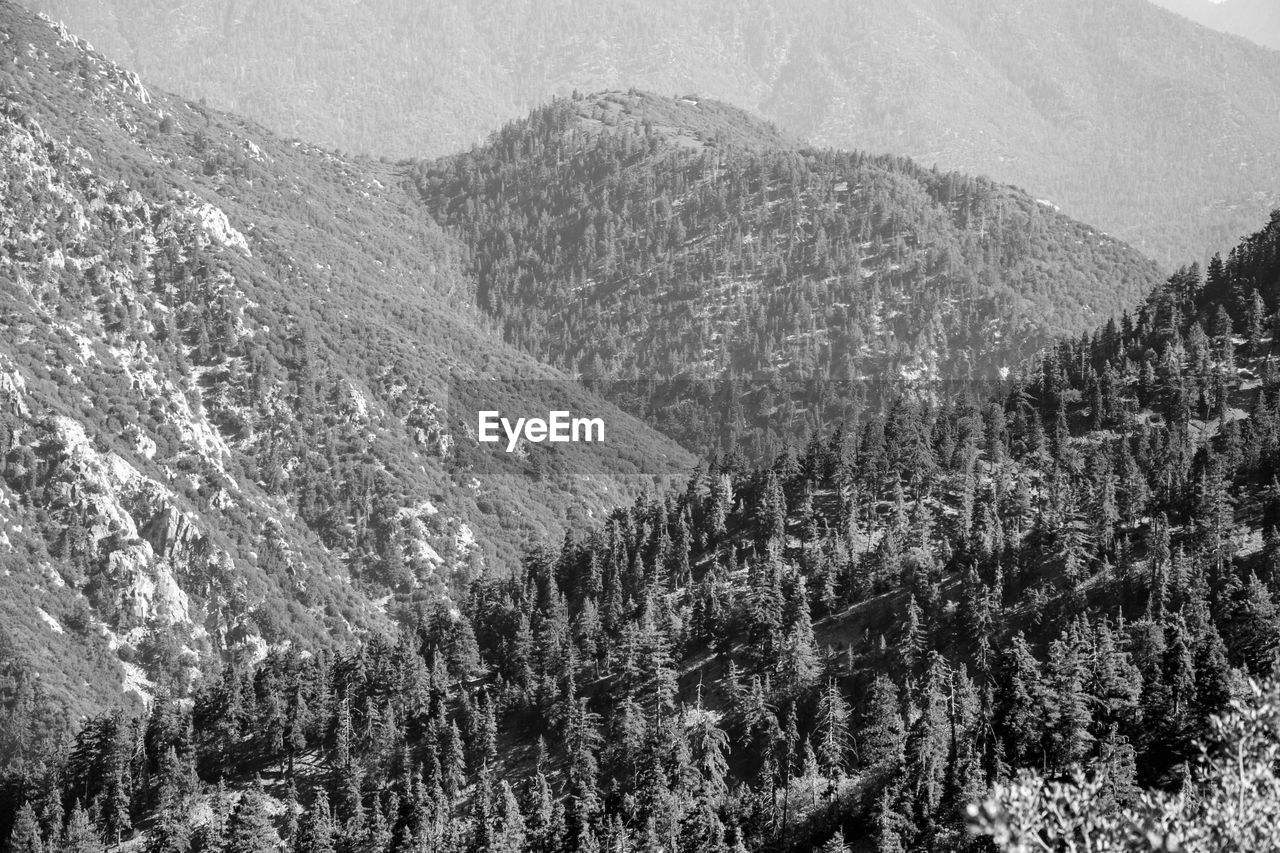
{"x":1231,"y":802}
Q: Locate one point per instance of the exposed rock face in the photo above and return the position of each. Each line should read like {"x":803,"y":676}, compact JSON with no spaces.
{"x":131,"y":531}
{"x":12,"y":389}
{"x":145,"y":588}
{"x":120,"y":528}
{"x":171,"y":533}
{"x":222,"y":359}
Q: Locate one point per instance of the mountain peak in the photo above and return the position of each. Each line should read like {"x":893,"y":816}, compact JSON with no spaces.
{"x":687,"y":121}
{"x":1129,"y":118}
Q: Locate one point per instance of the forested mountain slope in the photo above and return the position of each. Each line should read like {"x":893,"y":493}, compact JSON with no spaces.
{"x":846,"y":647}
{"x":1256,"y":20}
{"x":632,"y":239}
{"x":224,"y":484}
{"x":1128,"y":117}
{"x":224,"y":368}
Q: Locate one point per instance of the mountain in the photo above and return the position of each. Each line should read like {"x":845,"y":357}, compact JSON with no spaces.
{"x":260,"y":584}
{"x":634,"y":239}
{"x":1020,"y":616}
{"x":231,"y":370}
{"x":1256,"y":20}
{"x":1129,"y":118}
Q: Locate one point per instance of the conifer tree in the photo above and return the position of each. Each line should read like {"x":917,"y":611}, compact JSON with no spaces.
{"x":1070,"y":717}
{"x":913,"y":642}
{"x":511,"y":835}
{"x":709,"y":748}
{"x":250,"y":829}
{"x":316,"y":833}
{"x":81,"y":836}
{"x":882,"y":737}
{"x":25,"y":836}
{"x":890,"y":824}
{"x":833,"y":731}
{"x":1255,"y":324}
{"x":171,"y":830}
{"x":799,"y":663}
{"x":1253,"y":629}
{"x":929,"y":740}
{"x":1023,"y":715}
{"x":835,"y":844}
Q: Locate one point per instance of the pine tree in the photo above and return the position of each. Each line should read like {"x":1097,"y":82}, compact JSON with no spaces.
{"x":1116,"y":765}
{"x":709,"y":748}
{"x":721,"y":505}
{"x":545,"y":822}
{"x":25,"y":836}
{"x":1255,"y":324}
{"x":1215,"y":681}
{"x":81,"y":836}
{"x":1070,"y":716}
{"x":1215,"y":518}
{"x":377,"y":837}
{"x":316,"y":833}
{"x":291,"y":813}
{"x":705,"y":830}
{"x":766,"y":602}
{"x":1114,"y":683}
{"x":171,"y":829}
{"x":486,"y":735}
{"x":250,"y":830}
{"x":483,"y":819}
{"x":772,"y":513}
{"x":967,"y":779}
{"x":799,"y":664}
{"x":52,"y":815}
{"x":117,"y":810}
{"x":511,"y":835}
{"x":913,"y":642}
{"x":452,"y":759}
{"x":835,"y":844}
{"x":1253,"y":628}
{"x":1023,"y":715}
{"x":929,"y":740}
{"x":890,"y":824}
{"x":657,"y":665}
{"x":883,"y":734}
{"x":833,"y":731}
{"x":1133,"y":492}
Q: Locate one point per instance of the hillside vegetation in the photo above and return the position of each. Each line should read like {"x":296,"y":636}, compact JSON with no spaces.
{"x":851,"y":645}
{"x":640,"y":241}
{"x":224,"y":386}
{"x":258,"y":591}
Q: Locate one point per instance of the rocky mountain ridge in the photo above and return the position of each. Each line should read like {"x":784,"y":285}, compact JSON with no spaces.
{"x":1126,"y":116}
{"x":226,"y":369}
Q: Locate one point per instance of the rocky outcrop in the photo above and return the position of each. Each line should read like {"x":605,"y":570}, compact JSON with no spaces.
{"x":171,"y":534}
{"x":133,"y":535}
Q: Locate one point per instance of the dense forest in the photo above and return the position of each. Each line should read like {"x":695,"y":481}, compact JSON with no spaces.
{"x":243,"y":607}
{"x":638,"y":241}
{"x":936,"y":605}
